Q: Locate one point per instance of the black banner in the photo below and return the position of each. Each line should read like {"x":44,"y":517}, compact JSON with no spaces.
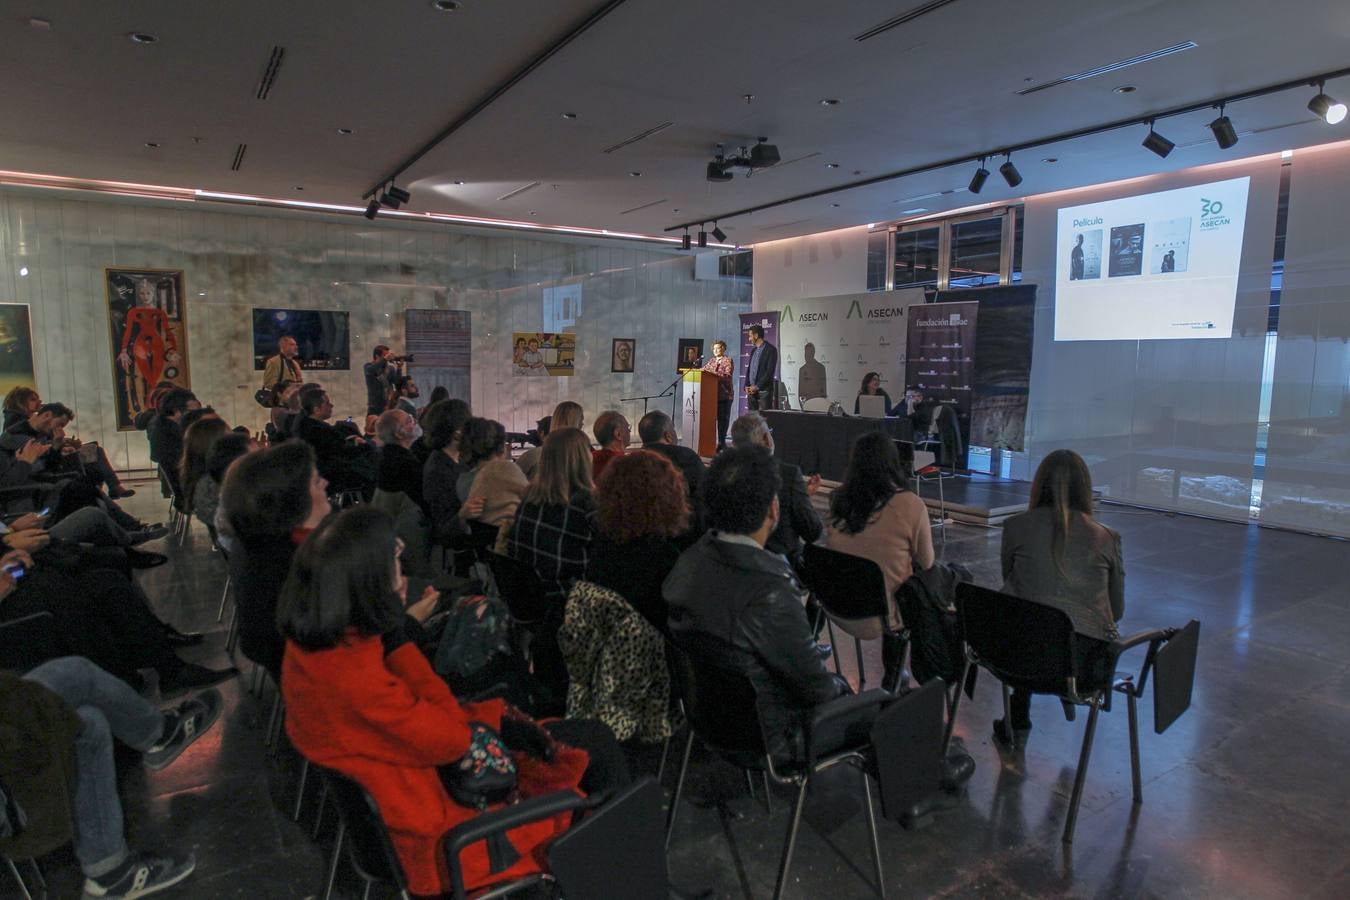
{"x":941,"y":360}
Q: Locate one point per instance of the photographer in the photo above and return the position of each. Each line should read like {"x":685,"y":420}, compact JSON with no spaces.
{"x":382,"y":367}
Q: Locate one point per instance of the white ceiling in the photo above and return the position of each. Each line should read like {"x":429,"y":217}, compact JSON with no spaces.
{"x":81,"y":99}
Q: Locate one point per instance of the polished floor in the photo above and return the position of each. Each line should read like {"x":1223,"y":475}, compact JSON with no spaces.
{"x":1243,"y":797}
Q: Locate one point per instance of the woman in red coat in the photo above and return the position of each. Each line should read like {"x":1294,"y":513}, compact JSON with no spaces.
{"x":362,"y":701}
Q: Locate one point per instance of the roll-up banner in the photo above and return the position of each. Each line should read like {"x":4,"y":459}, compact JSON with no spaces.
{"x":941,"y":357}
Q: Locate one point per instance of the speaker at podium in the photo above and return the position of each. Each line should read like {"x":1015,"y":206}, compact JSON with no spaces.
{"x":698,"y":424}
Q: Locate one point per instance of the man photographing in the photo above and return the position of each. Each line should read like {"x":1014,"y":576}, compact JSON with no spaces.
{"x":383,"y":366}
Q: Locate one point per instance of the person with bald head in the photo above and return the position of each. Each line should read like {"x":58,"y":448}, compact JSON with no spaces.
{"x":399,"y":469}
{"x":612,"y":432}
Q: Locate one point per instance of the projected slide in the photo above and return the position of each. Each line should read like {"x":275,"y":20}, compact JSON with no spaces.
{"x":1153,"y":267}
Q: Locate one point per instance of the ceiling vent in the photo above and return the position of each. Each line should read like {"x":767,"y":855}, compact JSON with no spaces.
{"x":645,"y":206}
{"x":902,"y":19}
{"x":238,"y":157}
{"x":1112,"y":67}
{"x":640,"y":136}
{"x":269,"y":75}
{"x":518,"y":191}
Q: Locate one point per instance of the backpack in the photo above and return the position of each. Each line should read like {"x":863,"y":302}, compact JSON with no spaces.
{"x":927,"y":604}
{"x":477,"y":629}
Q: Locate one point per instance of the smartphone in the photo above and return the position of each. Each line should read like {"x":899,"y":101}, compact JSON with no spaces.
{"x":16,"y":571}
{"x":46,"y":510}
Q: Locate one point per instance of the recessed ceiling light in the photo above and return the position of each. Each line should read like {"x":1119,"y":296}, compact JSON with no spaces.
{"x":634,"y":174}
{"x":445,"y":5}
{"x":1049,"y":159}
{"x":832,"y":165}
{"x":23,"y":271}
{"x":141,"y":37}
{"x":910,"y":212}
{"x":299,"y":187}
{"x":1126,"y":89}
{"x":829,"y":101}
{"x":344,"y":131}
{"x":533,"y":213}
{"x":857,"y":171}
{"x":569,"y":116}
{"x":152,"y":145}
{"x":675,"y":210}
{"x":458,"y":182}
{"x":835,"y":205}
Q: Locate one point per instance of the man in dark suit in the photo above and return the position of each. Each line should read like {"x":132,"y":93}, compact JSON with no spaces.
{"x":760,"y":370}
{"x":344,"y":460}
{"x":657,"y":432}
{"x":798,"y":521}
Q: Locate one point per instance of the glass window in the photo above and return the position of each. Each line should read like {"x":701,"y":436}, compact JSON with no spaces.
{"x":876,"y":259}
{"x":977,"y":251}
{"x":916,"y":257}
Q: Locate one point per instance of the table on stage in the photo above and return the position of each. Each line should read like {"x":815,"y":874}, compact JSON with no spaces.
{"x":820,"y":443}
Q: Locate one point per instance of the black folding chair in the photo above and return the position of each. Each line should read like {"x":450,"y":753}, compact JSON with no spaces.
{"x":721,"y":707}
{"x":848,"y":588}
{"x":1031,"y":646}
{"x":520,"y":588}
{"x":362,"y":834}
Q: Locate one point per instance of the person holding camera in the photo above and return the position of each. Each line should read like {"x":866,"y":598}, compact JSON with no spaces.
{"x":383,"y":367}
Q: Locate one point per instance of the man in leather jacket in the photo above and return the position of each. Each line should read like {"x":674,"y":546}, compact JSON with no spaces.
{"x":738,"y":605}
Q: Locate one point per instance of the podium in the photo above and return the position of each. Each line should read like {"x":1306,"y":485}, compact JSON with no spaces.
{"x":698,"y":425}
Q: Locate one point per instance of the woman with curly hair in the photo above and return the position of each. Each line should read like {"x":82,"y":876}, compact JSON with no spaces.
{"x":641,"y":507}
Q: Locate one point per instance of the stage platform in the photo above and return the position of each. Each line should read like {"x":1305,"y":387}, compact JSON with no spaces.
{"x":977,"y":499}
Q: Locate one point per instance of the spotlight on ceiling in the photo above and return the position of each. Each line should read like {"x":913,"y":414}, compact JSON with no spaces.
{"x":979,"y":178}
{"x":719,"y":171}
{"x":1156,"y":143}
{"x":684,"y":242}
{"x":1326,"y":108}
{"x":390,"y":201}
{"x":1009,"y":172}
{"x":372,"y":209}
{"x":1225,"y":135}
{"x":718,"y":234}
{"x":763,"y":155}
{"x":702,"y":236}
{"x":399,"y":194}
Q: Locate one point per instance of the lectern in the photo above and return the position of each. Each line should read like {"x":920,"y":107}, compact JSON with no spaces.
{"x":699,"y":422}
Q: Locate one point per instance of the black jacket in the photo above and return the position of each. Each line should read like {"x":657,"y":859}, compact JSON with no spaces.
{"x":691,"y":467}
{"x":440,"y":475}
{"x":768,"y":368}
{"x":741,"y":607}
{"x":343,"y":463}
{"x":257,"y":572}
{"x":798,"y":520}
{"x":635,"y":570}
{"x":400,"y":472}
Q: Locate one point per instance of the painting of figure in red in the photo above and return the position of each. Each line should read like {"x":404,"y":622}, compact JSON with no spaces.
{"x":148,"y":325}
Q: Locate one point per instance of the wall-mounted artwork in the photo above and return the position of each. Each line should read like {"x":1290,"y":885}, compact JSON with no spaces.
{"x":689,"y":354}
{"x":622,"y":354}
{"x":16,"y":348}
{"x":147,"y":322}
{"x":538,"y":353}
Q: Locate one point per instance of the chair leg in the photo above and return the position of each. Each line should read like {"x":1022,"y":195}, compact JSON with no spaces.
{"x":1007,"y":706}
{"x":273,"y":720}
{"x":14,"y":870}
{"x":300,"y":791}
{"x":661,"y":769}
{"x":224,"y":597}
{"x":365,"y":894}
{"x":749,"y":783}
{"x":862,"y":673}
{"x":953,"y":707}
{"x":791,"y":838}
{"x":679,"y":788}
{"x":318,"y":813}
{"x":768,"y":795}
{"x":1133,"y":707}
{"x":872,"y":829}
{"x":333,"y":863}
{"x":1081,"y":775}
{"x":834,"y":646}
{"x":37,"y":874}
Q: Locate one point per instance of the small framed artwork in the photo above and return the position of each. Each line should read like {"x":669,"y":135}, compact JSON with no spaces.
{"x":622,"y":353}
{"x":689,"y":354}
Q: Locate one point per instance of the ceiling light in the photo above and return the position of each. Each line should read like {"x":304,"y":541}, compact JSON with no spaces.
{"x":718,"y":234}
{"x":829,"y":101}
{"x":1156,"y":143}
{"x":1009,"y":172}
{"x":445,"y":5}
{"x":832,"y":165}
{"x":398,"y":194}
{"x":910,"y":212}
{"x":141,"y":37}
{"x":1325,"y":108}
{"x":40,"y":24}
{"x":684,"y":242}
{"x":763,"y":155}
{"x":569,"y":116}
{"x":23,"y":271}
{"x":834,"y":205}
{"x":151,"y":145}
{"x":1050,"y":159}
{"x":979,"y":178}
{"x":299,"y":187}
{"x":344,"y":131}
{"x":1125,"y":89}
{"x":634,"y":174}
{"x":1225,"y":135}
{"x":702,"y":237}
{"x":457,"y":181}
{"x":372,"y":209}
{"x":719,"y":171}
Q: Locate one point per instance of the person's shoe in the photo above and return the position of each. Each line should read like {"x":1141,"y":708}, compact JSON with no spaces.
{"x":921,"y":814}
{"x":142,"y":559}
{"x":1012,"y":738}
{"x":142,"y":875}
{"x":148,"y":533}
{"x":191,"y":675}
{"x":120,"y":492}
{"x":182,"y":727}
{"x":957,"y":769}
{"x":897,"y":680}
{"x":178,"y":638}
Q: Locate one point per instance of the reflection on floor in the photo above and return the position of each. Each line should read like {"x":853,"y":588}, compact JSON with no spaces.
{"x":1243,"y":797}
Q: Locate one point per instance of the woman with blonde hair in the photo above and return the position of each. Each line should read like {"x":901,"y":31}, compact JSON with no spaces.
{"x":566,"y":414}
{"x":1056,"y":553}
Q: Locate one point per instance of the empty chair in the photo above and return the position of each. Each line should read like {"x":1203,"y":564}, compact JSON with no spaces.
{"x":817,"y":405}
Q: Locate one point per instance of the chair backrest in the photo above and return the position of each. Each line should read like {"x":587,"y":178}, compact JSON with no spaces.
{"x":847,"y":586}
{"x":720,"y":703}
{"x":367,"y":841}
{"x":520,"y":588}
{"x":817,"y":405}
{"x":618,"y":851}
{"x":28,"y":641}
{"x":1016,"y":639}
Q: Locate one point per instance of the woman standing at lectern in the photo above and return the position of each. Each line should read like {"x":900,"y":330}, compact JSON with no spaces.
{"x":871,"y":386}
{"x":720,"y":365}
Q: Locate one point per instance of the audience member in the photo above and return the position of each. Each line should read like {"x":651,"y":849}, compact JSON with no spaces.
{"x":399,"y":470}
{"x":873,"y":514}
{"x":438,"y":393}
{"x":345,"y":461}
{"x":871,"y":387}
{"x":70,"y":710}
{"x":641,"y":507}
{"x":272,"y":500}
{"x":798,"y":522}
{"x":657,"y":431}
{"x":613,"y":433}
{"x":443,"y":429}
{"x":166,"y":432}
{"x":402,"y":392}
{"x":490,"y":476}
{"x":555,"y":524}
{"x":197,"y":442}
{"x":20,"y":403}
{"x":566,"y":414}
{"x":206,"y":497}
{"x":65,"y":456}
{"x":740,"y":606}
{"x":363,"y":701}
{"x":284,"y":414}
{"x":1056,"y":553}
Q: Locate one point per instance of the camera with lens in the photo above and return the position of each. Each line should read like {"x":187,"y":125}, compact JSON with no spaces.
{"x":406,"y":358}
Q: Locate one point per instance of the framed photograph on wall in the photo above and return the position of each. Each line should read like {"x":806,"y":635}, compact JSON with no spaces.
{"x":16,"y":348}
{"x":689,"y":354}
{"x":622,"y":354}
{"x":147,"y":324}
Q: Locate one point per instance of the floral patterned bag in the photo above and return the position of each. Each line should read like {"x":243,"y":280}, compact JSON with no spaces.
{"x":485,"y":774}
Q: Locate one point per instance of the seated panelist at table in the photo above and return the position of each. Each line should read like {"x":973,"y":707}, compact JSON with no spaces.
{"x":871,"y":387}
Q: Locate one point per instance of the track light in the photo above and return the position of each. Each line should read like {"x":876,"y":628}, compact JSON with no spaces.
{"x":718,"y":234}
{"x":1009,"y":172}
{"x":702,"y":237}
{"x":684,"y":244}
{"x":1225,"y":135}
{"x":719,"y":171}
{"x":398,"y":193}
{"x":979,"y":178}
{"x":1325,"y":108}
{"x":372,"y":208}
{"x":1156,"y":143}
{"x":763,"y":155}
